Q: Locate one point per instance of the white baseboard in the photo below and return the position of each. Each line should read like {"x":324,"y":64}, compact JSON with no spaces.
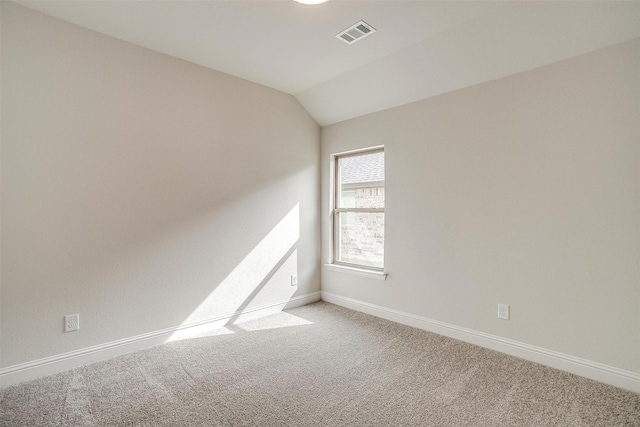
{"x":575,"y":365}
{"x":61,"y":362}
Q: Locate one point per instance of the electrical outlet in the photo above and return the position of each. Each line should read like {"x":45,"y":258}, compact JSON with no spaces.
{"x":503,"y":311}
{"x":294,"y":280}
{"x":71,"y":322}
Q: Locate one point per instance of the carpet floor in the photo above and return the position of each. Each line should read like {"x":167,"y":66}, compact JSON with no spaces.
{"x":316,"y":365}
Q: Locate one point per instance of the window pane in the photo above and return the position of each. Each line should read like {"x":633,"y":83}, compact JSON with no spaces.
{"x":361,"y":181}
{"x":360,"y":238}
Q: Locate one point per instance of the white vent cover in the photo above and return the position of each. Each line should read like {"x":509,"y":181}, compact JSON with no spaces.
{"x":356,"y":32}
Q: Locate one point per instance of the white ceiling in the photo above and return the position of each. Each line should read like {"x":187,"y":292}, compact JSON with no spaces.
{"x":421,"y":48}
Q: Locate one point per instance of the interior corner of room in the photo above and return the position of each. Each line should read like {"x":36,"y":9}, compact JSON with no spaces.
{"x":152,"y":195}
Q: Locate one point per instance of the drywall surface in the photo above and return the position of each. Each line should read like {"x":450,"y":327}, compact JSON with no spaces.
{"x":141,"y":191}
{"x":523,"y":191}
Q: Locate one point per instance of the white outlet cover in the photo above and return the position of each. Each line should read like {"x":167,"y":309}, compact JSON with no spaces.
{"x":503,"y":311}
{"x":71,"y":322}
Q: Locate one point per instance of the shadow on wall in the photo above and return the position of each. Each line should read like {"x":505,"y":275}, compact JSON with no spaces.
{"x":174,"y":271}
{"x":258,"y":277}
{"x":135,"y":184}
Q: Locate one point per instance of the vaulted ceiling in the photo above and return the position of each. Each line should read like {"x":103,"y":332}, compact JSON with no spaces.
{"x":420,"y":49}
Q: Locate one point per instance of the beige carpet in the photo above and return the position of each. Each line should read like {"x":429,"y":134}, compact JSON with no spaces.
{"x":317,"y":365}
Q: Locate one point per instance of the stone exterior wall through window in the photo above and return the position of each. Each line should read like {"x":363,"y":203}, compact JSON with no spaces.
{"x":362,"y":234}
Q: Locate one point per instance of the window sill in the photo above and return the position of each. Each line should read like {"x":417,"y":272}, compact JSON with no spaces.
{"x":379,"y":275}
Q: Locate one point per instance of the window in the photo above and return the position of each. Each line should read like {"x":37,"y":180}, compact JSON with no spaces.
{"x":358,"y":214}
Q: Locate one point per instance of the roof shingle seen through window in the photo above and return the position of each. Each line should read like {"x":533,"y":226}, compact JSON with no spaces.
{"x":362,"y":168}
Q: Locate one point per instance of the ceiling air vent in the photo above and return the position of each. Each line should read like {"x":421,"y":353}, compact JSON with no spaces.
{"x":356,"y":32}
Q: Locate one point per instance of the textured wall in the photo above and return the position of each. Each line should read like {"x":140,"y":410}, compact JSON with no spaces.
{"x":523,"y":191}
{"x":142,"y":191}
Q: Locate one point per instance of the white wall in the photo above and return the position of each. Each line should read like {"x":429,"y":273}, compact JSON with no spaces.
{"x":141,"y":191}
{"x":145,"y":192}
{"x":523,"y":191}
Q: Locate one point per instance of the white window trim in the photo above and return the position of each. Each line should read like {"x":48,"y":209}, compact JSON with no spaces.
{"x":372,"y":274}
{"x":360,"y":270}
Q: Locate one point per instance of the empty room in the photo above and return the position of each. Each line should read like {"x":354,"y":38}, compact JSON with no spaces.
{"x":319,"y":213}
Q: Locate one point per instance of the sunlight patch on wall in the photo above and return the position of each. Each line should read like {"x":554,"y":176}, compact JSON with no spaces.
{"x":262,"y":277}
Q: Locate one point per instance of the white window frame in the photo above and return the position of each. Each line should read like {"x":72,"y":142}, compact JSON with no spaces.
{"x":358,"y":269}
